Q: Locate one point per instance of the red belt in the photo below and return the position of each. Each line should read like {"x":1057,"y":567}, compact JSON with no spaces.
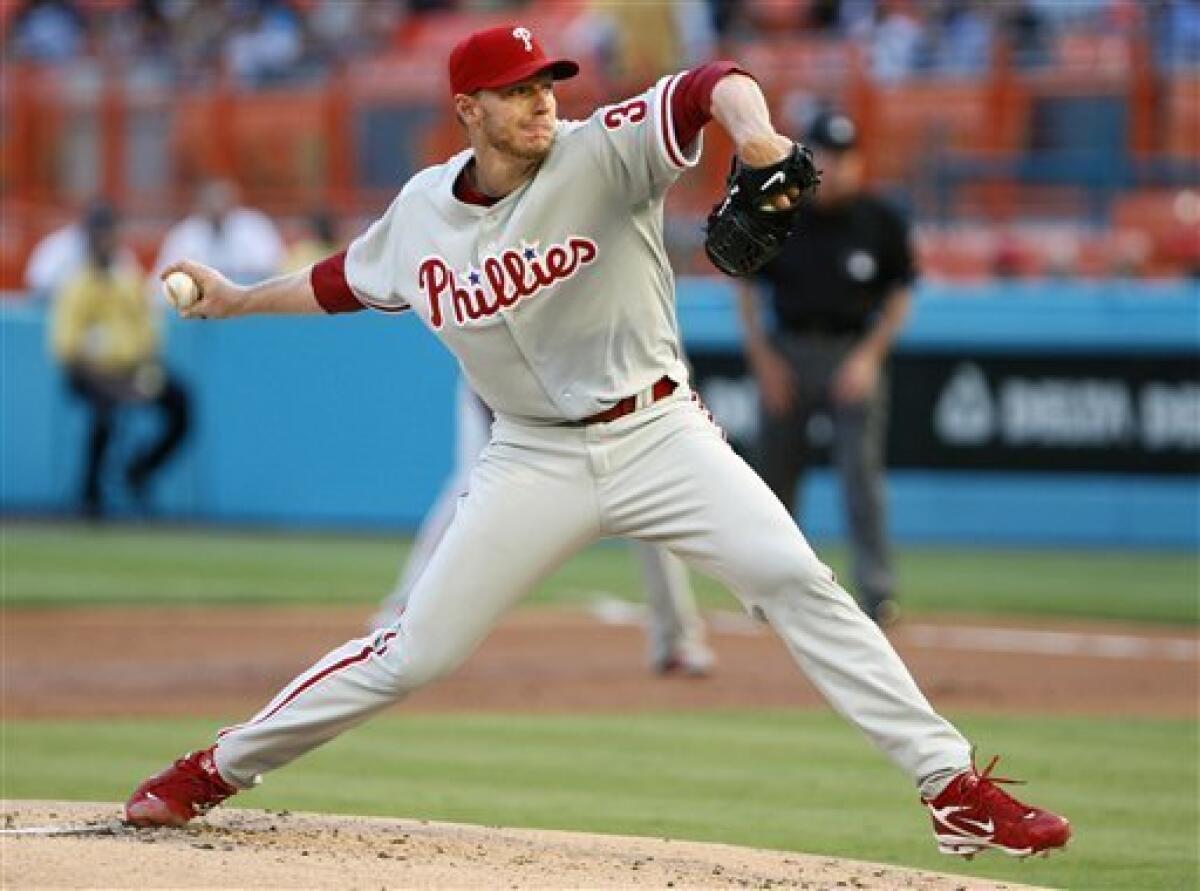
{"x":661,"y":389}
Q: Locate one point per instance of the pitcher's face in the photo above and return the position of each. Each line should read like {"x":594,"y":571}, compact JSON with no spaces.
{"x":517,"y":120}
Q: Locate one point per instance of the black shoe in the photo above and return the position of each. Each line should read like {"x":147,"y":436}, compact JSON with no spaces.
{"x":91,"y":508}
{"x":138,"y":482}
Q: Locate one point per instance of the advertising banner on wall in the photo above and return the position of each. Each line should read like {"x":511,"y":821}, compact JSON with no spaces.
{"x":1063,"y":413}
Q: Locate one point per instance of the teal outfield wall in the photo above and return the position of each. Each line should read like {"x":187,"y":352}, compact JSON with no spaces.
{"x":347,"y":421}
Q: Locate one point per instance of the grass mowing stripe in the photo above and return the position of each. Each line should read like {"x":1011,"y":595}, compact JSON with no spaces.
{"x":1095,"y":584}
{"x":69,"y":565}
{"x":791,"y":780}
{"x":46,"y":565}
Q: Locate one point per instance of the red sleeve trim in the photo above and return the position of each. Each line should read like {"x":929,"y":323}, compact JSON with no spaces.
{"x":665,"y":117}
{"x":328,"y":278}
{"x":691,"y":99}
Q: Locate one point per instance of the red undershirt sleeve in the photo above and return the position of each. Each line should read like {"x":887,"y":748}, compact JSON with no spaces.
{"x":328,"y":279}
{"x":692,"y":99}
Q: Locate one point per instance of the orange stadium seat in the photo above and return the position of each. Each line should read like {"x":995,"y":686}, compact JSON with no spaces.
{"x":1002,"y":199}
{"x":1182,"y":117}
{"x":819,"y":67}
{"x":916,"y":121}
{"x":1107,"y":55}
{"x":276,"y":144}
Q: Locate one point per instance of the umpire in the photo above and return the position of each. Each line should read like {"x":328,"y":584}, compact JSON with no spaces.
{"x":839,"y":292}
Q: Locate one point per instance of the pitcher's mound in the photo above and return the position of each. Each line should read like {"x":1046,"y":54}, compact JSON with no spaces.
{"x":85,"y":845}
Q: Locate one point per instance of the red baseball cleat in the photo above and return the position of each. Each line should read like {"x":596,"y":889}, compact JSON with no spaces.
{"x":973,"y":813}
{"x":188,"y":788}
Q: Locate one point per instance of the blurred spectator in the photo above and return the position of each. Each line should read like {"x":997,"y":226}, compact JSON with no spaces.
{"x":962,"y":38}
{"x":152,"y":21}
{"x":266,"y":42}
{"x":197,"y":31}
{"x":839,"y":291}
{"x":895,"y":40}
{"x":728,"y":18}
{"x":318,"y":243}
{"x":856,"y":15}
{"x":148,"y":29}
{"x":60,"y":256}
{"x":339,"y":28}
{"x":697,"y":37}
{"x":1027,"y":32}
{"x":824,"y":16}
{"x":135,"y":31}
{"x":48,"y":31}
{"x":642,"y":41}
{"x":239,"y":242}
{"x":1176,"y":25}
{"x":103,"y":334}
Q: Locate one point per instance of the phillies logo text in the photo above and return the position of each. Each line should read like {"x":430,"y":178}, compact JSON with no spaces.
{"x":503,"y":280}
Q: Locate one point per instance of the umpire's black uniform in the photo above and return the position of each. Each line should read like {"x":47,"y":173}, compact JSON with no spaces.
{"x":826,"y":289}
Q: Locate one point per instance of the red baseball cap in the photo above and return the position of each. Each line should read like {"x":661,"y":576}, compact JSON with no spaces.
{"x":497,"y":57}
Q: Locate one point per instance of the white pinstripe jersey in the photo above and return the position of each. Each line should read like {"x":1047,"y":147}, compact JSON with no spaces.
{"x":558,"y":300}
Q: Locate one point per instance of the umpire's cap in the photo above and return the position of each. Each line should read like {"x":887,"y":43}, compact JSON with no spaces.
{"x":832,"y":131}
{"x":497,"y":57}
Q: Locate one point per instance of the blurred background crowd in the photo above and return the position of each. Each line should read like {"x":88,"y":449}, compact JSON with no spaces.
{"x":281,"y":41}
{"x":1040,"y":149}
{"x":1025,"y":138}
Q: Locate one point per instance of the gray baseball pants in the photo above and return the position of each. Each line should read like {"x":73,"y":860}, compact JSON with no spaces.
{"x":539,"y":494}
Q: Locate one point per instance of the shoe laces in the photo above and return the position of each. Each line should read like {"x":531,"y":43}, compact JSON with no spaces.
{"x":986,"y":793}
{"x":206,"y":791}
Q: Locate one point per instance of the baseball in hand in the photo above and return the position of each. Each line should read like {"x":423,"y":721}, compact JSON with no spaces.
{"x":181,"y":290}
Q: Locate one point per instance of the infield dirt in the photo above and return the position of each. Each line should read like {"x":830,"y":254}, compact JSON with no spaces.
{"x":234,"y":848}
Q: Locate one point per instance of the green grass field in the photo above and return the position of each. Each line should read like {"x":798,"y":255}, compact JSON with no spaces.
{"x":794,"y":781}
{"x":46,"y":565}
{"x":791,"y":780}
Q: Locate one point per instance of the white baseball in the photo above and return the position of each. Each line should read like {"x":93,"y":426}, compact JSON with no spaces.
{"x":181,"y":290}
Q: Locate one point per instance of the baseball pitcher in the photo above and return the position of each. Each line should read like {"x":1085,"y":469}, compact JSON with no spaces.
{"x":536,"y":256}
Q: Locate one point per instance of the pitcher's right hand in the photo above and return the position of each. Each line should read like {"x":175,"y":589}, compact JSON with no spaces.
{"x":219,"y":297}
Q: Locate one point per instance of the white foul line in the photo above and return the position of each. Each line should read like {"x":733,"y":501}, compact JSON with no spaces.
{"x":114,"y":827}
{"x":1053,"y":643}
{"x":614,"y":611}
